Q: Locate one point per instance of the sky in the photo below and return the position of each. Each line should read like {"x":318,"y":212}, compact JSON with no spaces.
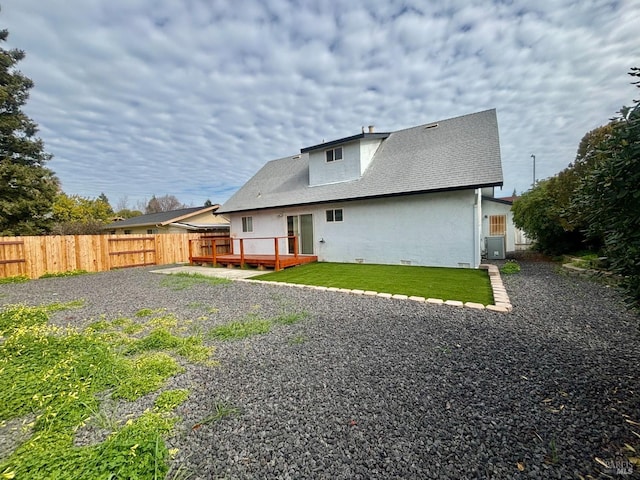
{"x":190,"y":98}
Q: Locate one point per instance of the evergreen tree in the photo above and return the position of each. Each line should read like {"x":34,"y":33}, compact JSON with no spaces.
{"x":609,"y":197}
{"x":105,"y":200}
{"x":27,"y":187}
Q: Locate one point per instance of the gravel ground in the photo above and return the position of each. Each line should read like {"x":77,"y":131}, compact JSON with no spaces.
{"x":379,"y":388}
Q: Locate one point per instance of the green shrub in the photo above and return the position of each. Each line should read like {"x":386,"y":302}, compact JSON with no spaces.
{"x":510,"y":267}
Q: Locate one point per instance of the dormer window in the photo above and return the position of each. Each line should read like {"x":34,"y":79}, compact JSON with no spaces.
{"x":333,"y":154}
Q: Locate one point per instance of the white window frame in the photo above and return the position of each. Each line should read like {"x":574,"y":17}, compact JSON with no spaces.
{"x":247,"y":224}
{"x":331,"y":152}
{"x":330,"y":215}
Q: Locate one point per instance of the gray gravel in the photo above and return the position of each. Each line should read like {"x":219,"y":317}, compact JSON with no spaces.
{"x":379,"y":388}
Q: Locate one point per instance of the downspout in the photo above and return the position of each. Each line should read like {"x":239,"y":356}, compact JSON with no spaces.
{"x":477,"y":254}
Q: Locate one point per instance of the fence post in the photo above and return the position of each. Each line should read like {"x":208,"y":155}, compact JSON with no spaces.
{"x":106,"y":250}
{"x":277,"y":265}
{"x":213,"y":251}
{"x":242,"y":253}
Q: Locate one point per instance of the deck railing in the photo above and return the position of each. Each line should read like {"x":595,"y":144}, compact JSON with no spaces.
{"x":207,"y":250}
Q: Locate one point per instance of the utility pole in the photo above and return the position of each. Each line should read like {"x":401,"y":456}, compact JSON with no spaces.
{"x":534,"y":170}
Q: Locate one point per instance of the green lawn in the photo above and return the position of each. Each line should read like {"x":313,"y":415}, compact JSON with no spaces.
{"x":462,"y":284}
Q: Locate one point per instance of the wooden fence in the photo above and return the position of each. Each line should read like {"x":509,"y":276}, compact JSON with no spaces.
{"x":34,"y":256}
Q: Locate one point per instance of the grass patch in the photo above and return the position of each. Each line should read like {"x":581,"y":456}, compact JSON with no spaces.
{"x":290,"y":318}
{"x":182,"y":281}
{"x":168,"y":400}
{"x":14,"y":317}
{"x":240,"y":329}
{"x":14,"y":279}
{"x":298,"y":340}
{"x":201,"y":305}
{"x":57,"y":375}
{"x":148,"y":312}
{"x":160,"y":339}
{"x":145,"y":374}
{"x":467,"y":285}
{"x":70,"y":273}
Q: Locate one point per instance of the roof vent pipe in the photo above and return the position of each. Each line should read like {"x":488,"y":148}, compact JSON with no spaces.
{"x":371,"y":127}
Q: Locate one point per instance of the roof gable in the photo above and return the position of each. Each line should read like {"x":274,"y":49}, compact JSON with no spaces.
{"x":452,"y":154}
{"x":342,"y":141}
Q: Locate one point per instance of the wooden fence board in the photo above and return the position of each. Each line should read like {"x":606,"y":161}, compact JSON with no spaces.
{"x":34,"y":256}
{"x":12,"y":261}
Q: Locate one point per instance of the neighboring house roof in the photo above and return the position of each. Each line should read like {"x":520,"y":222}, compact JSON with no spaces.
{"x":453,"y":154}
{"x":503,"y":200}
{"x":177,"y":217}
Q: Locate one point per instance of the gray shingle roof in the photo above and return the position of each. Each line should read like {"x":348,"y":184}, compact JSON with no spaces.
{"x":160,"y":218}
{"x":461,"y":152}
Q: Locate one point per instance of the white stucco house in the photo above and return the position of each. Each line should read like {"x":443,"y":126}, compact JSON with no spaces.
{"x":498,"y":221}
{"x":413,"y":196}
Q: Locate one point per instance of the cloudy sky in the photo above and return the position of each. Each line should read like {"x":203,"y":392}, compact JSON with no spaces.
{"x":190,"y":98}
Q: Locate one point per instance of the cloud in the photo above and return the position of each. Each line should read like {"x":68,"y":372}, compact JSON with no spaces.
{"x":143,"y":97}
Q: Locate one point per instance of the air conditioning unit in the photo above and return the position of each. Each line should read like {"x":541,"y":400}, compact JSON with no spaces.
{"x":495,"y":248}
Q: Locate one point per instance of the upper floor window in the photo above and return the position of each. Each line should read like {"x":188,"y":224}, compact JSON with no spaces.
{"x":247,"y":224}
{"x":334,"y":154}
{"x":334,"y":215}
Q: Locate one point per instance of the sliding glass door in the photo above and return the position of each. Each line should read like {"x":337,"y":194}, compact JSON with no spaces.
{"x":302,"y":226}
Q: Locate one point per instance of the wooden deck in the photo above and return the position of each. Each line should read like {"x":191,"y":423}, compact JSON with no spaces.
{"x":209,"y":251}
{"x":259,"y":261}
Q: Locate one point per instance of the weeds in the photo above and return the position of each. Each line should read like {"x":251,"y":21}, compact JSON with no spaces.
{"x":60,"y":374}
{"x":162,"y":339}
{"x":70,"y":273}
{"x":253,"y":324}
{"x":552,"y":457}
{"x":168,"y":400}
{"x":12,"y":317}
{"x":220,"y":411}
{"x":148,"y":312}
{"x":240,"y":329}
{"x":14,"y":279}
{"x":298,"y":339}
{"x":182,"y":281}
{"x":58,"y":379}
{"x":510,"y":267}
{"x":290,"y":318}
